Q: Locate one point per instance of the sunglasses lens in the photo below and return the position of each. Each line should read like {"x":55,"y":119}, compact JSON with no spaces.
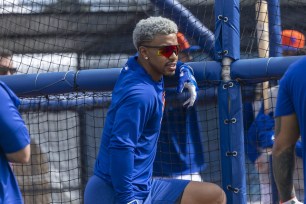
{"x":6,"y":70}
{"x":167,"y":51}
{"x":12,"y":70}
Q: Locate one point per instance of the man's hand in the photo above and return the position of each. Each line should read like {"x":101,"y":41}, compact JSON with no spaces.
{"x":262,"y":162}
{"x":187,"y":80}
{"x":292,"y":201}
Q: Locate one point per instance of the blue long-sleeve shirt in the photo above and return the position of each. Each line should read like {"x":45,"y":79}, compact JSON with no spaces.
{"x":130,"y":134}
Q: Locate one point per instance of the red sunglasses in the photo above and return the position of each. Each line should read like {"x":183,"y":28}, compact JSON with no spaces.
{"x":165,"y":51}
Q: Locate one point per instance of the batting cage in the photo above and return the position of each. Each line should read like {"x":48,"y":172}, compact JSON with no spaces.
{"x":67,"y":55}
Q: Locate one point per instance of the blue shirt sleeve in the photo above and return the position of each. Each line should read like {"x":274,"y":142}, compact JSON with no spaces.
{"x":14,"y":134}
{"x":129,"y":123}
{"x":177,"y":70}
{"x":178,"y":67}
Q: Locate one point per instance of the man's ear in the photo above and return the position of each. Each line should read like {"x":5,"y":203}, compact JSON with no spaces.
{"x":143,"y":52}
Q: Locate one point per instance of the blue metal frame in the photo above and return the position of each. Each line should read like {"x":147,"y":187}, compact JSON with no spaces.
{"x":225,"y":43}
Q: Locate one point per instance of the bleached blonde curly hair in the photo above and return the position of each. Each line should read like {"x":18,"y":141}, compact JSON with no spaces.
{"x":147,"y":29}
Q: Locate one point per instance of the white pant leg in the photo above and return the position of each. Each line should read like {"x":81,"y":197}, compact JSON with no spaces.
{"x":192,"y":177}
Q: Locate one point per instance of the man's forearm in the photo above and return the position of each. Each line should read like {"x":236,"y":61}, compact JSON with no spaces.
{"x":283,"y":167}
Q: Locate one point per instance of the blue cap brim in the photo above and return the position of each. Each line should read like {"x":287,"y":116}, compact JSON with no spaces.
{"x":192,"y":48}
{"x":289,"y":48}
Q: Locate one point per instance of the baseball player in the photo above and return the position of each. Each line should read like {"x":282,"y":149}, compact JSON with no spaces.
{"x":14,"y":145}
{"x":180,"y":150}
{"x":124,"y":165}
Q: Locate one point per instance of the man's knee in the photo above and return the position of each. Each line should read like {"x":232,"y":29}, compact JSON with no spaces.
{"x":203,"y":192}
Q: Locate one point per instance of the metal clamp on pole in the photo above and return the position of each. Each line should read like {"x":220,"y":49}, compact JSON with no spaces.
{"x":226,"y":68}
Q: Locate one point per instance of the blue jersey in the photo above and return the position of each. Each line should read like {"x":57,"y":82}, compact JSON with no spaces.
{"x":260,"y":135}
{"x":179,"y":150}
{"x":292,"y":98}
{"x":130,"y":134}
{"x":14,"y":136}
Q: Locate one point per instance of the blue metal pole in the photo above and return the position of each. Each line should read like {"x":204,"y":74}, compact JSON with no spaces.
{"x":230,"y":102}
{"x":275,"y":29}
{"x":232,"y":142}
{"x":32,"y":85}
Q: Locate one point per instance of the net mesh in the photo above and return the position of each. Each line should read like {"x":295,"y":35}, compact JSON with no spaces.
{"x":69,"y":35}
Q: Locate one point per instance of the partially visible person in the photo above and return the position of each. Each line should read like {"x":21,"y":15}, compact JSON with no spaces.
{"x":293,"y":43}
{"x":124,"y":165}
{"x":14,"y":138}
{"x":186,"y":49}
{"x":6,"y":64}
{"x":260,"y":134}
{"x":37,"y":157}
{"x":290,"y":120}
{"x":260,"y":140}
{"x":179,"y":150}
